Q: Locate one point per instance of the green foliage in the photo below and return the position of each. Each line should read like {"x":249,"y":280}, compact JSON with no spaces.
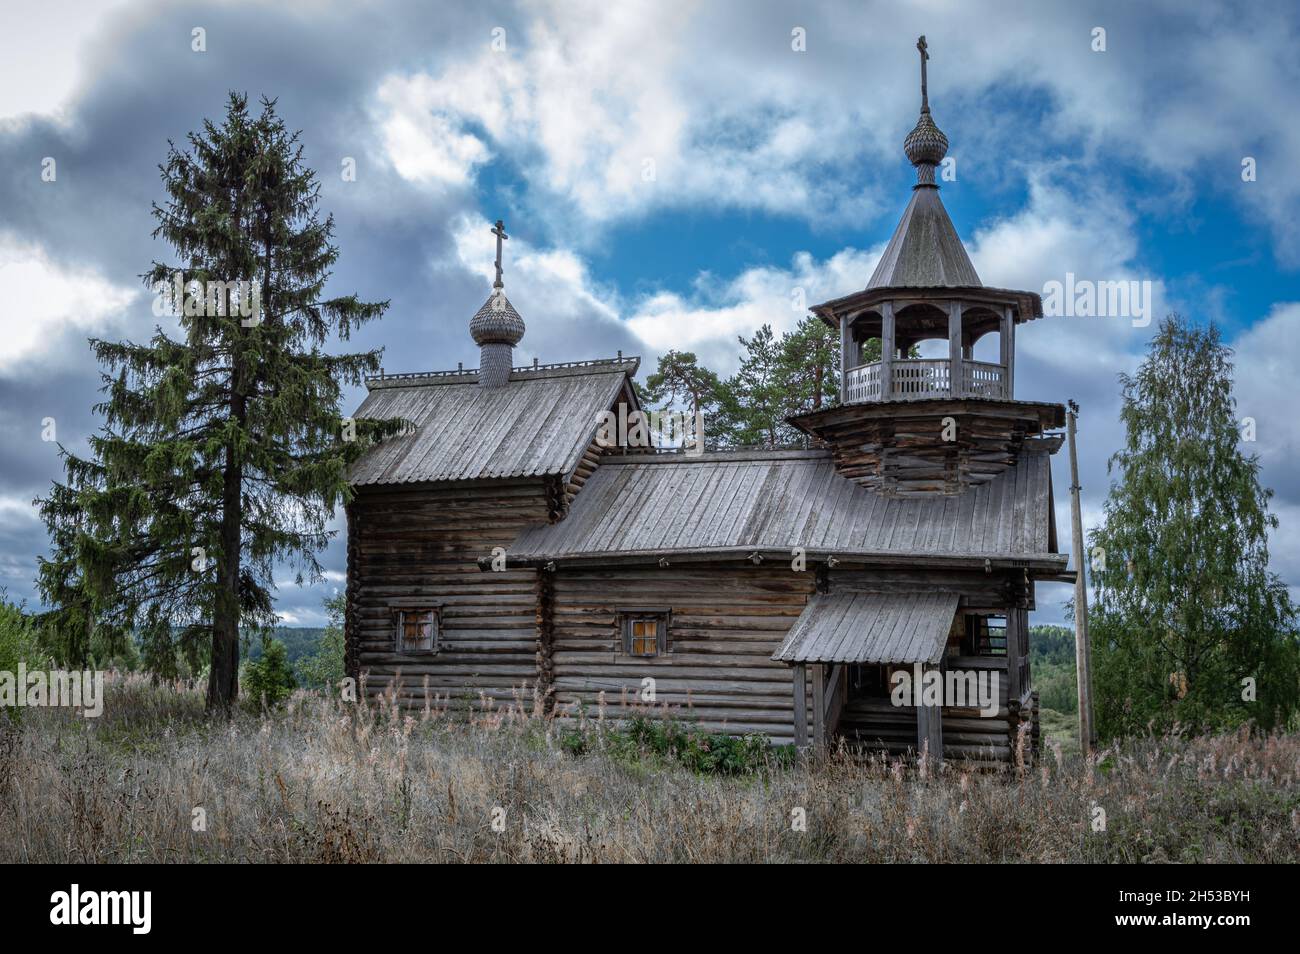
{"x":1185,"y":607}
{"x":325,"y":667}
{"x":226,"y":437}
{"x":681,"y":384}
{"x":1052,"y":663}
{"x":1051,"y":645}
{"x":778,"y":377}
{"x":666,"y":739}
{"x":18,"y":642}
{"x":269,"y":680}
{"x":808,"y":370}
{"x":753,"y":400}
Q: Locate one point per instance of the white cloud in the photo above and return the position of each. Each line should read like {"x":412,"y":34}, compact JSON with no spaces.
{"x":586,"y":93}
{"x":44,"y":301}
{"x":709,"y":320}
{"x":423,"y":139}
{"x":43,"y":53}
{"x":1091,"y":235}
{"x":615,"y":109}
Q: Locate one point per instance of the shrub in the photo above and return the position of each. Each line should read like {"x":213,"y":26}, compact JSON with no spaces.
{"x":17,"y":638}
{"x":325,"y":668}
{"x":706,"y":753}
{"x":268,"y":680}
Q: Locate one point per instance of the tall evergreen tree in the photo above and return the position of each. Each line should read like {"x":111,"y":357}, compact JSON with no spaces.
{"x":223,"y":452}
{"x":1188,"y":622}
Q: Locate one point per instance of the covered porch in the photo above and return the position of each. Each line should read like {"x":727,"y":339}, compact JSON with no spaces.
{"x":847,"y":645}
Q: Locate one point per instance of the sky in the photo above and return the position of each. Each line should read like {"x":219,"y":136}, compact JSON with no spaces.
{"x":671,"y":175}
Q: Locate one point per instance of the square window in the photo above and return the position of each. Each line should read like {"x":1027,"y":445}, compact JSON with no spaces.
{"x":644,"y":632}
{"x":417,"y":630}
{"x":986,"y":635}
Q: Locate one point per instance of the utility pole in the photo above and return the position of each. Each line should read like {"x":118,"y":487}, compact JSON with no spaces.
{"x":1082,"y":645}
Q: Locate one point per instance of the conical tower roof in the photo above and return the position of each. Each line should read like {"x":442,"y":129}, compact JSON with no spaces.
{"x":924,"y":251}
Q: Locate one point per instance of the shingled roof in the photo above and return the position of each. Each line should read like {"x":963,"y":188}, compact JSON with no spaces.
{"x":925,"y":251}
{"x":537,"y":425}
{"x":648,"y":506}
{"x":852,"y":626}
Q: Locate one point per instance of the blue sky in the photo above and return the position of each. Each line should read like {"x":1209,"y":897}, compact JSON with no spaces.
{"x":774,"y":169}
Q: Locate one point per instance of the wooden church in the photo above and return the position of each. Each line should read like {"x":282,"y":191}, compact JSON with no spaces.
{"x":499,"y":552}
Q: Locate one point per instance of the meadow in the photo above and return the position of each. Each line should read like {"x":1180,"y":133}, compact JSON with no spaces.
{"x":153,"y":780}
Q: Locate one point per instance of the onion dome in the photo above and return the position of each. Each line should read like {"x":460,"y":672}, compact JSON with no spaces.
{"x":925,"y":144}
{"x":497,"y":322}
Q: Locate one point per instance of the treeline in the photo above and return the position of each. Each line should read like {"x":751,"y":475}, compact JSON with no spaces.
{"x":1053,"y":668}
{"x":275,"y":661}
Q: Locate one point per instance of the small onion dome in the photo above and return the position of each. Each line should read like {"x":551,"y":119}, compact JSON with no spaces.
{"x":496,"y":322}
{"x":925,"y":144}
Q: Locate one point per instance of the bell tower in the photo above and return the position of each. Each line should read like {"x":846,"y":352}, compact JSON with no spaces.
{"x":909,"y":425}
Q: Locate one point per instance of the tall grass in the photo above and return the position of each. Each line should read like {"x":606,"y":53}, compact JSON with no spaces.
{"x":322,"y":781}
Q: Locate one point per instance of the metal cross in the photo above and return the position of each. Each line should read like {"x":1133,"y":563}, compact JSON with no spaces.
{"x":925,"y":98}
{"x":500,"y":232}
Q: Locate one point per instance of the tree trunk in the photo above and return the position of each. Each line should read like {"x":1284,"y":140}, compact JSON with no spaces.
{"x":223,"y":677}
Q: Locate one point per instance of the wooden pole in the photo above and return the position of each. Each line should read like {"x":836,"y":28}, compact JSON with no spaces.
{"x":819,"y":706}
{"x":1082,"y":646}
{"x":844,"y":359}
{"x":887,"y":346}
{"x":956,"y":369}
{"x":800,"y":707}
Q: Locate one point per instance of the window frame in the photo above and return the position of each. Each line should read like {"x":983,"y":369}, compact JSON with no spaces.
{"x":626,"y":617}
{"x":400,"y":609}
{"x":979,"y":628}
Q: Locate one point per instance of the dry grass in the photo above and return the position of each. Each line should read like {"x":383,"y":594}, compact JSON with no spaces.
{"x":323,"y":782}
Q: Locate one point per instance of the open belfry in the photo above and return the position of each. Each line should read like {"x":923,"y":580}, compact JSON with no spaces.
{"x":499,"y":554}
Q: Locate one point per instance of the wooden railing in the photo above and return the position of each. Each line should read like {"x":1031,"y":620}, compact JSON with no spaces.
{"x":924,"y":378}
{"x":862,"y":384}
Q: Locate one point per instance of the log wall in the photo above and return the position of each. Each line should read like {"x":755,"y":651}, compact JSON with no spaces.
{"x":423,"y":543}
{"x":726,"y":624}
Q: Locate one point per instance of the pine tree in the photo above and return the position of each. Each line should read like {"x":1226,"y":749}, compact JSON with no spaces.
{"x":1187,"y":616}
{"x":753,"y":402}
{"x":223,"y":453}
{"x":808,"y":373}
{"x":681,"y":383}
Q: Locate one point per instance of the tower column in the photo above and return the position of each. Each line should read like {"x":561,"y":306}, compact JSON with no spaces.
{"x":956,"y":369}
{"x":844,"y":359}
{"x":1008,"y":341}
{"x":886,"y":350}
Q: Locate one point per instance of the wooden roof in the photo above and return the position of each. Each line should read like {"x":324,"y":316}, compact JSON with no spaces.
{"x":539,"y":424}
{"x":651,"y":506}
{"x":849,"y":626}
{"x":925,"y":250}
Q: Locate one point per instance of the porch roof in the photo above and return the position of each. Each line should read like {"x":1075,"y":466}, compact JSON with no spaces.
{"x":855,"y":626}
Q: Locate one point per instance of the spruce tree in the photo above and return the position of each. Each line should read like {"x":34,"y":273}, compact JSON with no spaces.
{"x":223,"y":453}
{"x":1189,"y":625}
